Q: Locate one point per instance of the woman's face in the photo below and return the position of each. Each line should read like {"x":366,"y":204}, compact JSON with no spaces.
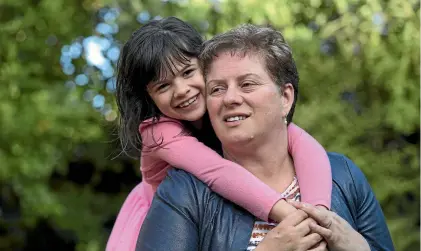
{"x":243,"y":102}
{"x":181,"y":96}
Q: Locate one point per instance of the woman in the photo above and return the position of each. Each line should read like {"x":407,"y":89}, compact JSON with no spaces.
{"x":250,"y":74}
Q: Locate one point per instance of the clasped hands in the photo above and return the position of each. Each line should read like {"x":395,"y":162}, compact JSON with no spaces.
{"x":312,"y":228}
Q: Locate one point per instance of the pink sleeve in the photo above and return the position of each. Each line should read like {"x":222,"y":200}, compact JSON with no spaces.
{"x":312,"y":166}
{"x":224,"y":177}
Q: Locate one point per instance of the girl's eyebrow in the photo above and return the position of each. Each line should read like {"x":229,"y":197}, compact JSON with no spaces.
{"x":153,"y":84}
{"x":185,"y":67}
{"x":166,"y":80}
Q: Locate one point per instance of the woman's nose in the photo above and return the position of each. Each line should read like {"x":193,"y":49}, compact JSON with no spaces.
{"x":232,"y":97}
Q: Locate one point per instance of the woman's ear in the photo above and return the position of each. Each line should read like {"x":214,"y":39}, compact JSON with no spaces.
{"x":287,"y":98}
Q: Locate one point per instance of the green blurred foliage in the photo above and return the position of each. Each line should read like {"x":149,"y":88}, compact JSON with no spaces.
{"x":359,"y":95}
{"x":42,"y":121}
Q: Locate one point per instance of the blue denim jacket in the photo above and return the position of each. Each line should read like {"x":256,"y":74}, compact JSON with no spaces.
{"x":187,"y":216}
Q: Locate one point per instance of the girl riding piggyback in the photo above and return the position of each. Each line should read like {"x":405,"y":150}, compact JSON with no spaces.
{"x":160,"y":96}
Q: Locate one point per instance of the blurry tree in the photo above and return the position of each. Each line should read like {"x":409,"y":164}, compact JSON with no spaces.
{"x":359,"y":95}
{"x":42,"y":121}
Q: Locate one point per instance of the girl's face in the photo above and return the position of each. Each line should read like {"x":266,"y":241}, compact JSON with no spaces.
{"x":181,"y":96}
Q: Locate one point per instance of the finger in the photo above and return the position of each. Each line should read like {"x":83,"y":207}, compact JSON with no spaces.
{"x":321,"y":247}
{"x":325,"y":232}
{"x":293,"y":219}
{"x":294,"y":203}
{"x":323,"y":217}
{"x":303,"y":228}
{"x":310,"y":240}
{"x":321,"y":207}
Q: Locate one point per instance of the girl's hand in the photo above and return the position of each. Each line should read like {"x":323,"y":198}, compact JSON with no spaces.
{"x":281,"y":210}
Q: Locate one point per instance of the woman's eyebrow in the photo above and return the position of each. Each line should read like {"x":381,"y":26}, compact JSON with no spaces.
{"x":239,"y":78}
{"x":215,"y":81}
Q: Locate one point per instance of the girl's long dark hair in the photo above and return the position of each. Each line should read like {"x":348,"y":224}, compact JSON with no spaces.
{"x":151,"y":52}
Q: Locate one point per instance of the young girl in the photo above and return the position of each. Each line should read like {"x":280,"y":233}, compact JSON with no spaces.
{"x":160,"y":95}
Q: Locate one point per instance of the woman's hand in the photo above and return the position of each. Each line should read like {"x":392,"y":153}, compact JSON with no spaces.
{"x":340,"y":236}
{"x":292,"y":234}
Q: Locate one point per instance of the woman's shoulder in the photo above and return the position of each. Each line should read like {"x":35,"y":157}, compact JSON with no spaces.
{"x":184,"y":192}
{"x":181,"y":182}
{"x":343,"y":168}
{"x":349,"y":180}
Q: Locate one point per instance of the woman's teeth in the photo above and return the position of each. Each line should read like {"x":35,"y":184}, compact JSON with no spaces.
{"x":236,"y":118}
{"x":188,"y":102}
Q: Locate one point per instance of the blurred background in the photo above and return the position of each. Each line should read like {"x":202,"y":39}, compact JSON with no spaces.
{"x":62,"y":177}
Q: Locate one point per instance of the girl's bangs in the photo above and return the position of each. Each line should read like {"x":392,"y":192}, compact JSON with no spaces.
{"x":173,"y":57}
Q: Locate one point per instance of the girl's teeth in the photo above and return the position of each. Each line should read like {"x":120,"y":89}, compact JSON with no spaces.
{"x":188,"y":102}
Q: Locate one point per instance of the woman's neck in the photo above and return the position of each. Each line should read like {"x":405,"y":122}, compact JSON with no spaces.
{"x":269,"y":161}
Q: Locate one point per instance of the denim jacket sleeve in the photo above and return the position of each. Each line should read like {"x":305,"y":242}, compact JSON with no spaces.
{"x":171,"y":224}
{"x":370,"y":221}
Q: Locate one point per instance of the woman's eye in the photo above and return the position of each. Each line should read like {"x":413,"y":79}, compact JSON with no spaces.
{"x":215,"y":90}
{"x":246,"y":84}
{"x":188,"y":73}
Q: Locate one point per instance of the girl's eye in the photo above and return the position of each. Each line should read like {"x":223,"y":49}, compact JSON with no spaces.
{"x":188,"y":73}
{"x":162,"y":86}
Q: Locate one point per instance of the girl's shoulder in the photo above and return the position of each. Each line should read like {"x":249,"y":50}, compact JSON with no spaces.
{"x":162,"y":121}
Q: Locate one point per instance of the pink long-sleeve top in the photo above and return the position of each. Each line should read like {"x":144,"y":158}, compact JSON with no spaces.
{"x":166,"y":145}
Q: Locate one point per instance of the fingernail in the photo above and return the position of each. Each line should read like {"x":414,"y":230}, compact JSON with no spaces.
{"x":305,"y":204}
